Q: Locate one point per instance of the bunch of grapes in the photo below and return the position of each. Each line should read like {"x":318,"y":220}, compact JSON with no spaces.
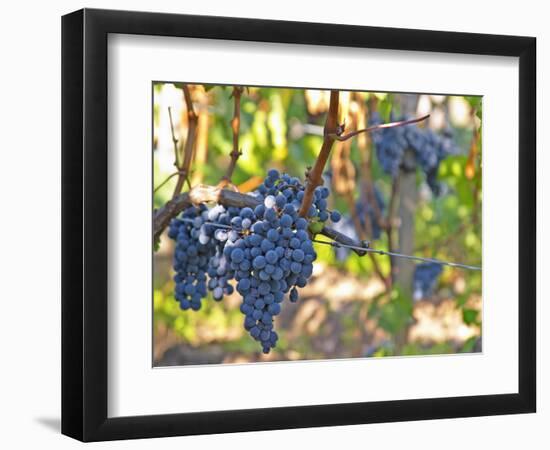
{"x":191,"y":257}
{"x":390,"y":144}
{"x":429,"y":149}
{"x":426,"y":276}
{"x":267,"y":250}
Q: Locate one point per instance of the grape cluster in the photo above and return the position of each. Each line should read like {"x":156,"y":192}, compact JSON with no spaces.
{"x":390,"y":145}
{"x":425,"y":278}
{"x":192,"y":257}
{"x":267,"y":250}
{"x":429,"y":149}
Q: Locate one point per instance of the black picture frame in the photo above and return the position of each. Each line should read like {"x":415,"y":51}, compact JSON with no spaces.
{"x":84,"y":224}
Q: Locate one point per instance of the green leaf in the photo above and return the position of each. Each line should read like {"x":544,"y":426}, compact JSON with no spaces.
{"x":395,"y":314}
{"x":385,"y":107}
{"x":179,"y":85}
{"x":315,"y":227}
{"x":469,"y":316}
{"x":469,"y":345}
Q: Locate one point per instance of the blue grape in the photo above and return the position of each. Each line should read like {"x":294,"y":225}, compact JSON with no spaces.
{"x":286,"y":221}
{"x":271,"y":256}
{"x":298,"y":255}
{"x":425,"y":278}
{"x":301,"y":224}
{"x":259,"y":262}
{"x":269,"y":202}
{"x":237,"y":255}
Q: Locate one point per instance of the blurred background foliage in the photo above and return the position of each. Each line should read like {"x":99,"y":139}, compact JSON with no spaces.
{"x":346,"y":310}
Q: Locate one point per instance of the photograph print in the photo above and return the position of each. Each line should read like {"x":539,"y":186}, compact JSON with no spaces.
{"x":314,"y":224}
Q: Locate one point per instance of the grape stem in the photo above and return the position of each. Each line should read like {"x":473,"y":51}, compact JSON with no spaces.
{"x":183,"y":163}
{"x":226,"y":197}
{"x":174,"y":139}
{"x":400,"y":123}
{"x":235,"y":127}
{"x":166,"y":180}
{"x":315,"y":175}
{"x":390,"y":223}
{"x":365,"y":157}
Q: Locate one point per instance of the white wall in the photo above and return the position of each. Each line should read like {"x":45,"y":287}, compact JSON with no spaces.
{"x":30,"y":189}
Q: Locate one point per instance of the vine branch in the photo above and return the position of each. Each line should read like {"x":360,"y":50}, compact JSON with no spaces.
{"x":315,"y":175}
{"x":235,"y":127}
{"x":345,"y":137}
{"x":367,"y":186}
{"x":390,"y":224}
{"x":174,"y":139}
{"x":166,"y":180}
{"x":192,"y":122}
{"x":226,"y":197}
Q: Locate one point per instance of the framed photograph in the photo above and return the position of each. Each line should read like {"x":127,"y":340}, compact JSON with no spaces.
{"x":273,"y":225}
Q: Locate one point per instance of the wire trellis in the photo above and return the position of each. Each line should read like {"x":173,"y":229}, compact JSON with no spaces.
{"x":364,"y":248}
